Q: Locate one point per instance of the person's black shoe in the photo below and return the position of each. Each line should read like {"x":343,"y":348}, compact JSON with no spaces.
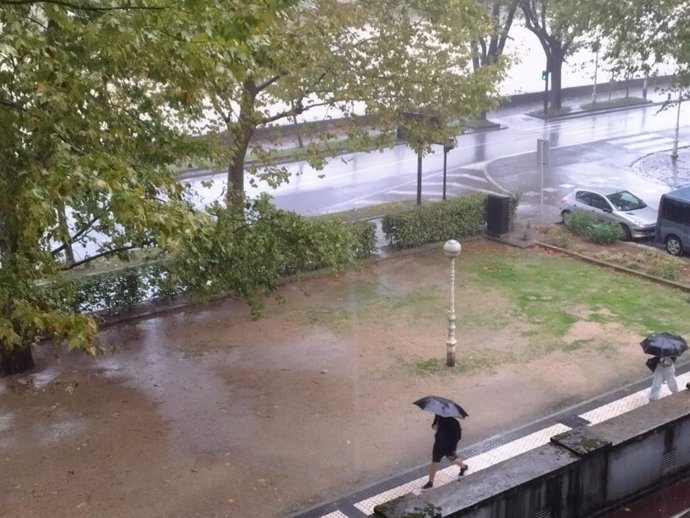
{"x":462,"y":470}
{"x":428,"y":485}
{"x":687,"y":386}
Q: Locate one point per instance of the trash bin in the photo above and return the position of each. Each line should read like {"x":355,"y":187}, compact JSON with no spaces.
{"x":497,"y":214}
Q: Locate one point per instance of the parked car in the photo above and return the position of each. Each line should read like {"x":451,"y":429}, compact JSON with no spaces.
{"x":673,"y":225}
{"x":636,"y":218}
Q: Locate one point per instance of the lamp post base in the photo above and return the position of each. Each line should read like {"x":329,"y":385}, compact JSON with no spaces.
{"x":450,"y":355}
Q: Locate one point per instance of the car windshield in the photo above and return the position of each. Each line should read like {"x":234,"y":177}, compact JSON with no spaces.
{"x":625,"y":201}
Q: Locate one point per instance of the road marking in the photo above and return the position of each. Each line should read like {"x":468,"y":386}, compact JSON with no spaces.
{"x":334,"y":514}
{"x":411,"y":193}
{"x":637,"y":138}
{"x":478,"y":178}
{"x":665,"y":147}
{"x":648,"y":143}
{"x":476,"y":463}
{"x":631,"y":402}
{"x":437,"y":194}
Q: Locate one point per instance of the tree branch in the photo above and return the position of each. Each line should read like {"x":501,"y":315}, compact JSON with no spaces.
{"x":104,"y":254}
{"x":83,"y":7}
{"x":76,"y":236}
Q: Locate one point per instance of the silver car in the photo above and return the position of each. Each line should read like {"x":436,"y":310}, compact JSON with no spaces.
{"x":636,"y":218}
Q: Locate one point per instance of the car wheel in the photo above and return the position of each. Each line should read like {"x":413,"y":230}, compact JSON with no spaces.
{"x":674,"y":246}
{"x":564,"y":216}
{"x":626,"y":235}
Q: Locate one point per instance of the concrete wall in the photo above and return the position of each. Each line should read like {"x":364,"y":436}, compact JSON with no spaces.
{"x":581,"y":473}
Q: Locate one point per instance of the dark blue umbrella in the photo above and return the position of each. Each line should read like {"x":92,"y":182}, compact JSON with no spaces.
{"x":441,"y":406}
{"x":664,"y":344}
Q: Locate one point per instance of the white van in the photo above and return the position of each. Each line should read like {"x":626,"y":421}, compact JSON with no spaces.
{"x":673,"y":222}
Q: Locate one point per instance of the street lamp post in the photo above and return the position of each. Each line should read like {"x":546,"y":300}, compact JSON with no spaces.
{"x":674,"y":153}
{"x":447,"y":146}
{"x":451,"y":249}
{"x":595,"y":47}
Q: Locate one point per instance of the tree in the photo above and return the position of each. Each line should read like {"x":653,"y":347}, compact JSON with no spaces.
{"x":642,"y":35}
{"x":558,"y":28}
{"x":489,"y":48}
{"x":380,"y":58}
{"x":85,"y":152}
{"x":96,"y":98}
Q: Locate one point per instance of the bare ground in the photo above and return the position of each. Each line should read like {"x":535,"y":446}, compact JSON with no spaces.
{"x":206,"y":413}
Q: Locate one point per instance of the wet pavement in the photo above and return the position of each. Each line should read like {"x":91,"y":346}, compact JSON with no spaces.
{"x":665,"y":503}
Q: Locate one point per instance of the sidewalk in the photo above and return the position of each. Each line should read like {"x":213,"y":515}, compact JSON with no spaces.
{"x":495,"y":449}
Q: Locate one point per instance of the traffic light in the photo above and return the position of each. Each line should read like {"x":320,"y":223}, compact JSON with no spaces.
{"x":543,"y":75}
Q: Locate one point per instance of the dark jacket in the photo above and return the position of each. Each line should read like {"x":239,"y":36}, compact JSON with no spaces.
{"x":448,"y":432}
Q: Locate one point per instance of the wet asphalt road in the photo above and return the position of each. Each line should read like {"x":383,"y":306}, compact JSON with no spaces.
{"x":595,"y":149}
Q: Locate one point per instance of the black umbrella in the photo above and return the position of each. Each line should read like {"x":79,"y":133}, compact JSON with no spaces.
{"x":664,"y":344}
{"x":441,"y":406}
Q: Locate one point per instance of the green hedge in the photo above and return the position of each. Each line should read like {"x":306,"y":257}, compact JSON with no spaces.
{"x":592,"y":228}
{"x":363,"y":238}
{"x":438,"y":221}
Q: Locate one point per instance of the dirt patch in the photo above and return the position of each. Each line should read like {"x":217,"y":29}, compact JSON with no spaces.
{"x":638,"y":256}
{"x":207,"y":413}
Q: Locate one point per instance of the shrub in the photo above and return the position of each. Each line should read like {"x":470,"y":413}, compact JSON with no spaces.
{"x":591,"y":227}
{"x":437,"y":221}
{"x":362,"y":238}
{"x":580,"y":222}
{"x":247,"y":260}
{"x":608,"y":232}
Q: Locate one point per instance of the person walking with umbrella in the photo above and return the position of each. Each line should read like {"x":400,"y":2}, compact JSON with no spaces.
{"x":664,"y":372}
{"x":448,"y":433}
{"x":665,"y":347}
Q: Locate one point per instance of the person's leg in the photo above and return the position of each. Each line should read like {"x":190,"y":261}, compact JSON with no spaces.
{"x":433,"y":468}
{"x":460,"y":464}
{"x":657,"y":381}
{"x":670,"y":375}
{"x":436,"y":456}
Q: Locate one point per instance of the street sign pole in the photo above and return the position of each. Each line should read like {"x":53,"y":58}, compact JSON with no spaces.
{"x":419,"y":178}
{"x":542,"y":160}
{"x":445,"y":162}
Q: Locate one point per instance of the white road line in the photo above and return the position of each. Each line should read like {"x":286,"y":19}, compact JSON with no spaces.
{"x":436,"y":194}
{"x":476,"y":177}
{"x":334,"y":514}
{"x":650,"y":142}
{"x":656,"y":149}
{"x":367,"y":506}
{"x":636,"y":138}
{"x":618,"y":407}
{"x":631,"y":402}
{"x":476,"y":463}
{"x":425,"y":194}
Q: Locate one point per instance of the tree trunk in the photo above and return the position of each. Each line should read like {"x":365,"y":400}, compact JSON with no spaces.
{"x":235,"y":194}
{"x":242,"y":131}
{"x":64,"y":234}
{"x":556,"y":66}
{"x":15,"y":360}
{"x":298,"y":132}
